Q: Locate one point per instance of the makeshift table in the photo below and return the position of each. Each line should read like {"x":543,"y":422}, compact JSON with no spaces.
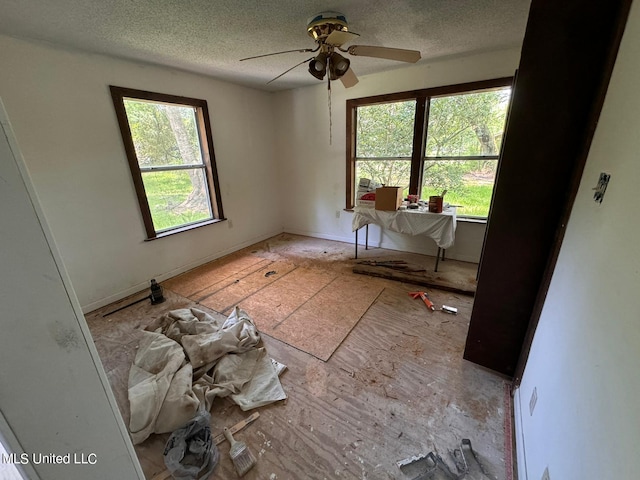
{"x":441,"y":227}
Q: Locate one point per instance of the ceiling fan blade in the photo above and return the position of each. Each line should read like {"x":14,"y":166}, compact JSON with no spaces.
{"x":399,"y":54}
{"x":287,"y":71}
{"x":349,"y":79}
{"x":338,"y":38}
{"x":300,"y":50}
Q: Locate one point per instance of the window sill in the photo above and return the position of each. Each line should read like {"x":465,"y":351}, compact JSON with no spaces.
{"x":471,"y":220}
{"x":185,"y":229}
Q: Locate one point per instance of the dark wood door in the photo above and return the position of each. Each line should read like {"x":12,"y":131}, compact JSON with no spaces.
{"x":567,"y":58}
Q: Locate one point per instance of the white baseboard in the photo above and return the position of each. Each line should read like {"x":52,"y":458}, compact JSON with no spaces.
{"x":306,"y":233}
{"x":521,"y":460}
{"x":385,"y":244}
{"x":176,"y":271}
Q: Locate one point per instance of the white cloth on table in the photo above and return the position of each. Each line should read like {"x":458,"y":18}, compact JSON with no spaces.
{"x":441,"y":227}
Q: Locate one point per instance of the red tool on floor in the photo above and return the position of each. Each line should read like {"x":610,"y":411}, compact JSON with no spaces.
{"x":425,"y":299}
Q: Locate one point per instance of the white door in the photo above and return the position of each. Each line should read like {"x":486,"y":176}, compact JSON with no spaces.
{"x":54,"y":394}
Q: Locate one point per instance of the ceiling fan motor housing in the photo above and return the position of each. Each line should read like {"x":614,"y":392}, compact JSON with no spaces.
{"x":321,"y":25}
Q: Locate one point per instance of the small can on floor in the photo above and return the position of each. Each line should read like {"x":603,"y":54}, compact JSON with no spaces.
{"x":451,"y":310}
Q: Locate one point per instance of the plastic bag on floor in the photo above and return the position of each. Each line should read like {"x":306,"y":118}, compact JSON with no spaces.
{"x":190,"y":453}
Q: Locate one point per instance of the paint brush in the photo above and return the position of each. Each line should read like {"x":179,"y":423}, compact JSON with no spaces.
{"x":240,"y":454}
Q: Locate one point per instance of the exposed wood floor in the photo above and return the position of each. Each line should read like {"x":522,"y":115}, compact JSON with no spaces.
{"x":396,"y":387}
{"x":310,"y":308}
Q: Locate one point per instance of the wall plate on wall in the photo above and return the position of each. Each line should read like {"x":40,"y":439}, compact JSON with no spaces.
{"x":533,"y":400}
{"x":603,"y":181}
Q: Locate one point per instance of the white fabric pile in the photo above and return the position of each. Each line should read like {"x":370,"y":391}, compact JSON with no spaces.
{"x":186,"y":358}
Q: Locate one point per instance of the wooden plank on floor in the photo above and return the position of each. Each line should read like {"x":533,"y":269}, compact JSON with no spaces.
{"x":320,"y":325}
{"x":236,"y":290}
{"x":430,"y":280}
{"x":274,"y":303}
{"x":191,"y":283}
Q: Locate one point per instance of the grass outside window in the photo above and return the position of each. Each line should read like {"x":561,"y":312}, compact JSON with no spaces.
{"x":169,"y":147}
{"x":429,"y":141}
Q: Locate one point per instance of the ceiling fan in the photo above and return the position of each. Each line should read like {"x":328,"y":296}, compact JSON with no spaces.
{"x":330,"y":31}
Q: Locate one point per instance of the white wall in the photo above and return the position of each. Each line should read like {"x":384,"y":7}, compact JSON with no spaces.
{"x":63,"y":116}
{"x":585,"y":357}
{"x":314,"y":170}
{"x":55,"y":396}
{"x":277,"y":169}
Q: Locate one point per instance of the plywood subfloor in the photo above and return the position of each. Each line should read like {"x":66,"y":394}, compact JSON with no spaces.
{"x":397,"y":385}
{"x":310,"y":308}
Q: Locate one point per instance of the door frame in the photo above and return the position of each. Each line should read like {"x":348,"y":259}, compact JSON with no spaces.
{"x":567,"y":58}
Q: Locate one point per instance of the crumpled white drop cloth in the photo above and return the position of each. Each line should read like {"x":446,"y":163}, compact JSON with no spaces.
{"x":186,"y":358}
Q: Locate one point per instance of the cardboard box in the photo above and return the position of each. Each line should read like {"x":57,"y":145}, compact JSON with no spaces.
{"x":388,"y":198}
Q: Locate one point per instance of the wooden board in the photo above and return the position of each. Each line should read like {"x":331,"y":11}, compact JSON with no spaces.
{"x":273,"y":304}
{"x":193,"y":282}
{"x":424,"y":279}
{"x":229,"y":292}
{"x":309,"y":308}
{"x":320,"y":325}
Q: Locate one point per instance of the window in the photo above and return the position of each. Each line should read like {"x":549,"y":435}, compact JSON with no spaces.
{"x":169,"y":146}
{"x":429,"y":141}
{"x":385,"y":142}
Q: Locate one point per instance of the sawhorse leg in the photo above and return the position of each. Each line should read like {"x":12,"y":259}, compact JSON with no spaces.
{"x":438,"y":257}
{"x":356,"y":243}
{"x":366,"y":239}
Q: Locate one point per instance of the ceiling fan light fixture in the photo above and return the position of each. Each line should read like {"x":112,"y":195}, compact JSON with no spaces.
{"x":318,"y":66}
{"x":338,"y":65}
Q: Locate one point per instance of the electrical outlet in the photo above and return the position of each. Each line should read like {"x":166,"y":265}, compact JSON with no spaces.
{"x":230,"y":223}
{"x":533,"y":400}
{"x":337,"y":213}
{"x":545,"y":475}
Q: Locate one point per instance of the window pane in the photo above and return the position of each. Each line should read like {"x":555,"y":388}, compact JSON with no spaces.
{"x":163,"y":134}
{"x":469,"y":183}
{"x":177,"y":198}
{"x":393,"y":173}
{"x":385,"y":130}
{"x":468,"y":124}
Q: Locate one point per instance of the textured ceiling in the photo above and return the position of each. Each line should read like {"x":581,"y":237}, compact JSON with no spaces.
{"x":210,"y":36}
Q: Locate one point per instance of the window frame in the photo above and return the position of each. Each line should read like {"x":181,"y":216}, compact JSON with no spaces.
{"x":203,"y":124}
{"x":421,"y":121}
